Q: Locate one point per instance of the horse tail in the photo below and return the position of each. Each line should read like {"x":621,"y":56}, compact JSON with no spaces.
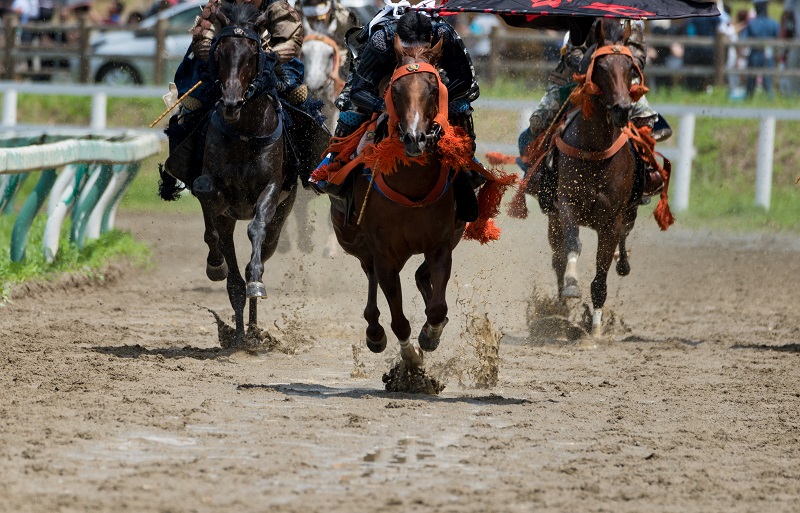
{"x":168,"y":189}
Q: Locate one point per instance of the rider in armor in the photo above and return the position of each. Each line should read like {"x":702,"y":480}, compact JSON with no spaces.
{"x":327,"y":17}
{"x":374,"y":60}
{"x":284,"y":38}
{"x":560,"y":84}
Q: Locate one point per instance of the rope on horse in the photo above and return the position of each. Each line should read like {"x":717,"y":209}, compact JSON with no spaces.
{"x":177,"y":102}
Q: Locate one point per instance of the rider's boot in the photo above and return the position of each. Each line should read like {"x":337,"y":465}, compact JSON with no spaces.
{"x":349,"y":121}
{"x":466,"y":184}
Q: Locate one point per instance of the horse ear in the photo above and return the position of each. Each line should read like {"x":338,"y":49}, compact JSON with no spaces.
{"x":626,"y":33}
{"x":599,"y":33}
{"x":434,"y":53}
{"x":261,"y":22}
{"x":398,"y":48}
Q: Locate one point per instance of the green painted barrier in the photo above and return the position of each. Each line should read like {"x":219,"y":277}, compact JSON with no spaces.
{"x":101,"y":170}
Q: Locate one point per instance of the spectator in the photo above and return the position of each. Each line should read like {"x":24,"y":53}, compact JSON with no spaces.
{"x":697,"y":55}
{"x":789,"y":20}
{"x":481,"y":27}
{"x":762,"y":26}
{"x":27,"y":10}
{"x":114,"y":16}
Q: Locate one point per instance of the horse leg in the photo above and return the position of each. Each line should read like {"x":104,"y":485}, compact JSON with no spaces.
{"x":572,"y":248}
{"x":607,"y":240}
{"x":623,"y":266}
{"x":207,"y":195}
{"x":304,"y":228}
{"x":257,"y":232}
{"x":389,"y":280}
{"x":555,"y":236}
{"x":236,"y":285}
{"x":423,"y":279}
{"x":376,"y":335}
{"x":441,"y":263}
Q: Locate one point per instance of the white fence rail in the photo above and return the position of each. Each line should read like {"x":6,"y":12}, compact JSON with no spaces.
{"x":684,"y":128}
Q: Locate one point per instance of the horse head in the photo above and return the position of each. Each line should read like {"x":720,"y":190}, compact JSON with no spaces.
{"x":416,"y":97}
{"x":612,"y":70}
{"x":322,"y":60}
{"x":236,"y":54}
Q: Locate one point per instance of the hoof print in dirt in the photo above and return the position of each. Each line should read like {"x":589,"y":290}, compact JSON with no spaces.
{"x":411,"y":380}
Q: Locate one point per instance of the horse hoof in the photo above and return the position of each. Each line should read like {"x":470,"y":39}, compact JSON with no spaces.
{"x":623,"y":268}
{"x":217,"y":272}
{"x":571,"y":291}
{"x":411,"y":353}
{"x":377,"y":347}
{"x":256,"y":289}
{"x":429,"y":335}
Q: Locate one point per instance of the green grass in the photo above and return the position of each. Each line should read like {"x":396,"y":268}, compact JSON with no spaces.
{"x":112,"y":246}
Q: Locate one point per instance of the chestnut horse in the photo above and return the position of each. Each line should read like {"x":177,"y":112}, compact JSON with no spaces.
{"x":595,"y":168}
{"x":423,"y":219}
{"x":244,"y":171}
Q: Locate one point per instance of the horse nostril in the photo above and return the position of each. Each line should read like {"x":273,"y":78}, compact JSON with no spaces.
{"x":239,"y":104}
{"x":422,"y":138}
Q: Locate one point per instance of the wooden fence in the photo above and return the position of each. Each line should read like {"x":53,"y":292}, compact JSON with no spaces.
{"x":522,"y":52}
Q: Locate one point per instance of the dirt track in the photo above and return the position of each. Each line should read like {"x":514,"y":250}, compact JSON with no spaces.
{"x":117,"y":398}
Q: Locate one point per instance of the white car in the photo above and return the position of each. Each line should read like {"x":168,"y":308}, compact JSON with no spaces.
{"x":126,"y":56}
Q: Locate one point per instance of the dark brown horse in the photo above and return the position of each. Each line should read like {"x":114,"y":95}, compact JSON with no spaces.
{"x":244,"y":176}
{"x":418,"y":220}
{"x":595,"y":169}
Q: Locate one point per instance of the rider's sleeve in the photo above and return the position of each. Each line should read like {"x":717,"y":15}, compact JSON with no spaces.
{"x":456,"y":63}
{"x":375,"y":62}
{"x":203,"y":30}
{"x":284,"y":31}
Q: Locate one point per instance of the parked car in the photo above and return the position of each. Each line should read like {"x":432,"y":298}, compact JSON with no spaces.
{"x":123,"y":56}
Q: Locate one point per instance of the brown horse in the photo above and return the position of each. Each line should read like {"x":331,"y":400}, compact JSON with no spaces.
{"x":420,"y":217}
{"x":244,"y":172}
{"x":595,"y":168}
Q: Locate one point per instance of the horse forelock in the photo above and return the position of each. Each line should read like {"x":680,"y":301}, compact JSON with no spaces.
{"x":613,"y":31}
{"x":240,"y":14}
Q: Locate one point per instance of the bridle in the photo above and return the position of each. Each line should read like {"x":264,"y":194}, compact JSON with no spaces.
{"x":338,"y":83}
{"x":440,"y":119}
{"x":262,"y":82}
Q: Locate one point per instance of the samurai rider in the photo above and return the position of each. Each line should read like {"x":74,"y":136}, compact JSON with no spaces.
{"x":560,"y":84}
{"x":284,"y":38}
{"x":374,"y":59}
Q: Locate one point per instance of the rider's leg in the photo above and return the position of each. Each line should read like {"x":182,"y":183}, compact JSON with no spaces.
{"x":289,"y":81}
{"x":540,"y":120}
{"x":465,"y":185}
{"x":644,"y":115}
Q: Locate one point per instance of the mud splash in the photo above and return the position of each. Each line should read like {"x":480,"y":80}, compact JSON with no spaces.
{"x":411,"y":380}
{"x":553,"y":320}
{"x":359,"y":368}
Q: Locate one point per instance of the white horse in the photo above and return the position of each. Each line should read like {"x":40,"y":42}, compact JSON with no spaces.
{"x":323,"y":60}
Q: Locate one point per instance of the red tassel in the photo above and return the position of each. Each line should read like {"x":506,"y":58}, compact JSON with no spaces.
{"x":496,"y":158}
{"x":482,"y":230}
{"x":322,"y":172}
{"x":662,"y":214}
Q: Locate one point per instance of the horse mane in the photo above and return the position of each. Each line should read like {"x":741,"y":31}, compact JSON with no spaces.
{"x":240,"y":14}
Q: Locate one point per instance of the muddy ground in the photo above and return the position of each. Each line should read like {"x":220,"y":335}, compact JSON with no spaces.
{"x":116,"y":396}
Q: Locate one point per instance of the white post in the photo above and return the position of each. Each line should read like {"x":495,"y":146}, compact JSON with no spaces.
{"x":99,"y":103}
{"x":10,"y":108}
{"x":766,"y":149}
{"x":683,"y":171}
